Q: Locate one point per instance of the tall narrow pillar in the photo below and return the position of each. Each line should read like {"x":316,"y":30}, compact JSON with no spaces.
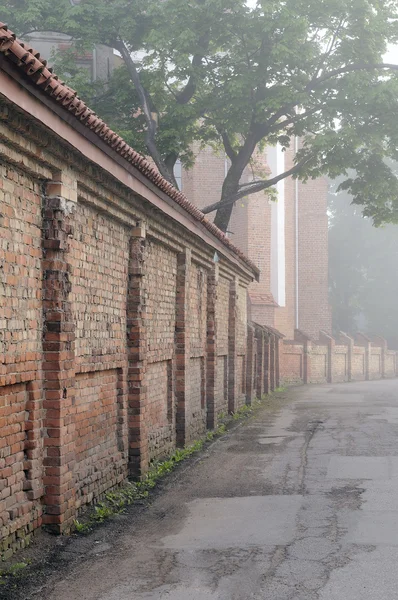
{"x":349,"y":342}
{"x":272,"y":362}
{"x":182,"y":346}
{"x":59,"y":204}
{"x":250,"y":359}
{"x":260,"y":338}
{"x":232,"y":338}
{"x":278,"y":342}
{"x":137,"y":354}
{"x":329,"y":341}
{"x":382,"y":343}
{"x":267,"y":363}
{"x":363,"y":340}
{"x":304,"y":339}
{"x":212,"y":281}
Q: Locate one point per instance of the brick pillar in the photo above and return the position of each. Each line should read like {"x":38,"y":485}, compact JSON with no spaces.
{"x":182,"y":345}
{"x":58,"y":355}
{"x":382,"y":343}
{"x":232,"y":357}
{"x":137,"y":354}
{"x":250,"y":384}
{"x":272,"y":372}
{"x":278,"y":342}
{"x":212,"y":281}
{"x":267,"y":363}
{"x":349,"y":342}
{"x":364,"y":341}
{"x":304,"y":339}
{"x":327,"y":339}
{"x":259,"y":341}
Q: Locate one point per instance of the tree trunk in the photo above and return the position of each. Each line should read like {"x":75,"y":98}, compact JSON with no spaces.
{"x":231,"y":183}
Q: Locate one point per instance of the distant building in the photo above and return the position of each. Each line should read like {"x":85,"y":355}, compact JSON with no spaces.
{"x":100,"y":62}
{"x":286,"y":239}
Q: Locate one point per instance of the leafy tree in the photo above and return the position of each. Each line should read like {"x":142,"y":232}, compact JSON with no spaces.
{"x":362,"y":266}
{"x":243,"y":77}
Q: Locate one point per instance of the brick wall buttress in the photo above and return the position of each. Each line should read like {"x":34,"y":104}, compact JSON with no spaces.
{"x":182,"y":339}
{"x":232,"y":349}
{"x":59,"y":205}
{"x":137,"y":353}
{"x":211,"y":364}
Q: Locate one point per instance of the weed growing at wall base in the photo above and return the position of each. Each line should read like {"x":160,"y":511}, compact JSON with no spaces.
{"x":116,"y":501}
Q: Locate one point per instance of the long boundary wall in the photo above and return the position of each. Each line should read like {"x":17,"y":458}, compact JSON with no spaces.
{"x":336,"y":360}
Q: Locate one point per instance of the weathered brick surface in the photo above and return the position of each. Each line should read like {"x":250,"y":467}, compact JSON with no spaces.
{"x":21,"y":399}
{"x":99,"y":461}
{"x":250,"y":229}
{"x":390,"y":364}
{"x":123,"y":333}
{"x":161,"y":272}
{"x":319,"y":364}
{"x":116,"y":332}
{"x":292,"y":363}
{"x":160,"y":289}
{"x":358,"y":363}
{"x":161,"y":432}
{"x":99,"y":286}
{"x":221,"y":401}
{"x":340,"y":364}
{"x":197,"y":315}
{"x":241,"y":339}
{"x":375,"y":364}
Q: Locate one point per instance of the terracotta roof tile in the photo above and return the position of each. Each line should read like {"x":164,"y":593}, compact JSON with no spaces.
{"x":30,"y":63}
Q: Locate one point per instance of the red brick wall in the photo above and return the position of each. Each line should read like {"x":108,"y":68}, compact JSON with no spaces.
{"x":161,"y":273}
{"x":390,"y":364}
{"x":241,"y":336}
{"x":375,"y":367}
{"x":99,"y":462}
{"x":197,"y":316}
{"x":340,"y":363}
{"x":358,"y":363}
{"x":106,"y":334}
{"x":314,"y":312}
{"x":292,"y":367}
{"x":285,"y":316}
{"x":203,"y":184}
{"x":99,"y":249}
{"x":319,"y":364}
{"x":21,"y":402}
{"x":222,"y":345}
{"x":250,"y":230}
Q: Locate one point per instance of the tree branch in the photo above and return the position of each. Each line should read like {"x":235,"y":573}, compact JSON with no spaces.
{"x":349,"y":68}
{"x":171,"y":160}
{"x":329,"y":50}
{"x":186,"y":94}
{"x":253,"y":187}
{"x":230,"y":152}
{"x":150,"y":117}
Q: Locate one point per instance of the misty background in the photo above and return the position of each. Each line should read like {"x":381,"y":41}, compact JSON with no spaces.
{"x":363,"y":262}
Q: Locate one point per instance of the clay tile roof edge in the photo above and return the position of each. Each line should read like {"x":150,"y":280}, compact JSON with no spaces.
{"x":32,"y":65}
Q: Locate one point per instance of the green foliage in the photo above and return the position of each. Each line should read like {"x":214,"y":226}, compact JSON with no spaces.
{"x":14,"y":571}
{"x":116,"y":501}
{"x":362,"y":264}
{"x":236,"y":77}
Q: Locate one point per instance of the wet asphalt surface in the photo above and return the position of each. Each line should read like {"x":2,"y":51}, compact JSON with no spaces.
{"x":299,"y":502}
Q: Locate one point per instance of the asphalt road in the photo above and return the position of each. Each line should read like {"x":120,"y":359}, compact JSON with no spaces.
{"x":298,"y":503}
